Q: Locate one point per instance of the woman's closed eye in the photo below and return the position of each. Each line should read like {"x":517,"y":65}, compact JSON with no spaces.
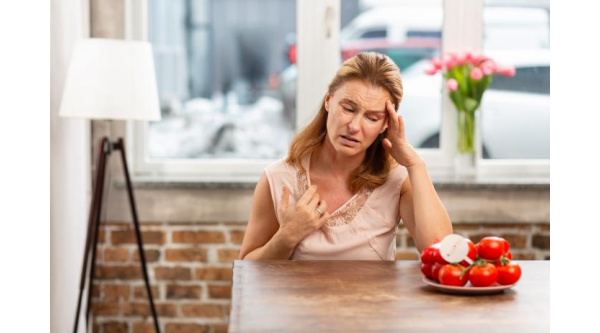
{"x":374,"y":116}
{"x":370,"y":117}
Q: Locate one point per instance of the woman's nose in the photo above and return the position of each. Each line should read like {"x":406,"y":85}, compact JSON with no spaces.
{"x":354,"y":125}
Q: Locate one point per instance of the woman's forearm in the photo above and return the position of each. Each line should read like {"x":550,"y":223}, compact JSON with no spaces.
{"x":432,"y":221}
{"x":279,"y":247}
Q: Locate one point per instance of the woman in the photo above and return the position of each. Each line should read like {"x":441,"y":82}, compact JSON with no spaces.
{"x":349,"y":178}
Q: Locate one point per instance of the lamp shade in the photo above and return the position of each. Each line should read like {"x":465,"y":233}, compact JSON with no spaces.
{"x":111,"y":79}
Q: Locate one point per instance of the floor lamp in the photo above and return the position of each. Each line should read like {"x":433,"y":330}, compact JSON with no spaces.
{"x":111,"y":80}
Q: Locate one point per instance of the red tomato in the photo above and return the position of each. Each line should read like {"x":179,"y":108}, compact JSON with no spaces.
{"x":472,"y":253}
{"x":483,"y":276}
{"x":437,"y":255}
{"x":449,"y":275}
{"x":426,"y":269}
{"x":491,"y":248}
{"x":506,"y":245}
{"x":435,"y":269}
{"x":509,"y":274}
{"x":427,"y":255}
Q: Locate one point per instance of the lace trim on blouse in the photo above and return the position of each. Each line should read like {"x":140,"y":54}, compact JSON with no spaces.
{"x":347,"y":212}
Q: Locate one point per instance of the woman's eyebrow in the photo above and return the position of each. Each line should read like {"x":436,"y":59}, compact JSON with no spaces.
{"x":349,"y":101}
{"x":354,"y":104}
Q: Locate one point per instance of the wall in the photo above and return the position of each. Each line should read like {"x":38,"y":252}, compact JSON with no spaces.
{"x":69,"y":169}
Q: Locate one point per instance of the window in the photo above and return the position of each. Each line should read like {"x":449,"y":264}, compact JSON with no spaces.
{"x":233,"y":96}
{"x":515,"y":118}
{"x":528,"y":80}
{"x":218,"y":79}
{"x":424,"y":34}
{"x":219,"y":68}
{"x":374,"y":34}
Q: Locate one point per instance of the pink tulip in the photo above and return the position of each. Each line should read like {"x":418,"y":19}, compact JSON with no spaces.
{"x":461,"y":58}
{"x":477,"y":57}
{"x":509,"y":71}
{"x":468,"y":55}
{"x":448,"y":61}
{"x":437,"y":63}
{"x":488,"y":67}
{"x":430,"y":70}
{"x":451,"y":85}
{"x":476,"y":74}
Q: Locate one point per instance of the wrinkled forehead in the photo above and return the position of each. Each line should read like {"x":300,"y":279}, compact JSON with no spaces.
{"x":362,"y":94}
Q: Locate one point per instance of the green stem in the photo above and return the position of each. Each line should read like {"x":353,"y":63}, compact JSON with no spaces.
{"x":466,"y":131}
{"x":464,"y":270}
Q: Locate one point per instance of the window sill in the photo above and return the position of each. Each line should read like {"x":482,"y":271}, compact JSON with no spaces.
{"x":488,"y":183}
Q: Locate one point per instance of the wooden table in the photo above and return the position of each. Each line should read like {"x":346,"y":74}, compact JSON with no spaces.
{"x":367,"y":296}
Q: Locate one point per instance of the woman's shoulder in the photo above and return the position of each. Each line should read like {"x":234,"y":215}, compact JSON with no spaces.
{"x":280,"y":166}
{"x":397,"y":173}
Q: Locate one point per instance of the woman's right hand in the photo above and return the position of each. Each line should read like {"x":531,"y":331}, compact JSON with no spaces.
{"x":300,"y":220}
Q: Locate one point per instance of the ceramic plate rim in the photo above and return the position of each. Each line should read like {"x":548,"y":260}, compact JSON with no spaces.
{"x":467,"y":290}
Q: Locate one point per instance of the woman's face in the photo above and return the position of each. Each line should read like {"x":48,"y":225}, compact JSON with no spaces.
{"x":357,"y":115}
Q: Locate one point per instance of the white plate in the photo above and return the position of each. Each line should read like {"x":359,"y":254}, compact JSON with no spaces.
{"x":468,"y":289}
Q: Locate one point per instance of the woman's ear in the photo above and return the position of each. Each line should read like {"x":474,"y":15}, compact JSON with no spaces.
{"x":327,"y":100}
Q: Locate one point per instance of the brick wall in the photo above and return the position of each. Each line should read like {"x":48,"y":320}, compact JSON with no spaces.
{"x":190,"y":271}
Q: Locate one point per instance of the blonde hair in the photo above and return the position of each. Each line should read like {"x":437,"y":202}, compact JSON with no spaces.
{"x":377,"y":70}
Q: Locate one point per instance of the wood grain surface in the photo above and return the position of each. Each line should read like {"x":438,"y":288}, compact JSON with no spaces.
{"x":371,"y":296}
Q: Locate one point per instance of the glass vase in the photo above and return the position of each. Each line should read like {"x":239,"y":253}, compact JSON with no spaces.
{"x":464,"y":161}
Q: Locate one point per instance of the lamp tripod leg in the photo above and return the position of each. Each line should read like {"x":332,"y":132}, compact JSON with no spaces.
{"x":93,"y":228}
{"x":121,"y":146}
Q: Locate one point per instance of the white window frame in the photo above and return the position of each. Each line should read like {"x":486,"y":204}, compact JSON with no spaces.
{"x":318,"y":28}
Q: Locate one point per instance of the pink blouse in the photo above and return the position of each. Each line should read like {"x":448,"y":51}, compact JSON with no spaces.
{"x":364,"y":228}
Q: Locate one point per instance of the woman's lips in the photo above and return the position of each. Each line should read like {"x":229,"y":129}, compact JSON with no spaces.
{"x":349,"y":141}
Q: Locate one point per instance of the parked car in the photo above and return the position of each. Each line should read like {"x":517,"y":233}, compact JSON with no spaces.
{"x":406,"y":36}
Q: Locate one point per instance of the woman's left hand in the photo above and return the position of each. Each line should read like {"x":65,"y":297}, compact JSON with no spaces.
{"x":395,"y":142}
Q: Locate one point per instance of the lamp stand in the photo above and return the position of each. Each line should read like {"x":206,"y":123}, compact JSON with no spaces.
{"x":91,"y":243}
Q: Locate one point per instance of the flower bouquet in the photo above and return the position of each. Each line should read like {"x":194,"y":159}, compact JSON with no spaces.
{"x":467,"y":76}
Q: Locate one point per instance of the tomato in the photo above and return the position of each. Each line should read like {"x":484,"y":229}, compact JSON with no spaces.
{"x":432,"y":261}
{"x":437,"y":256}
{"x":449,"y":275}
{"x":483,"y":276}
{"x":509,"y":274}
{"x":506,"y":245}
{"x":472,"y":253}
{"x":435,"y":269}
{"x":491,"y":248}
{"x":427,"y":255}
{"x":426,"y":269}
